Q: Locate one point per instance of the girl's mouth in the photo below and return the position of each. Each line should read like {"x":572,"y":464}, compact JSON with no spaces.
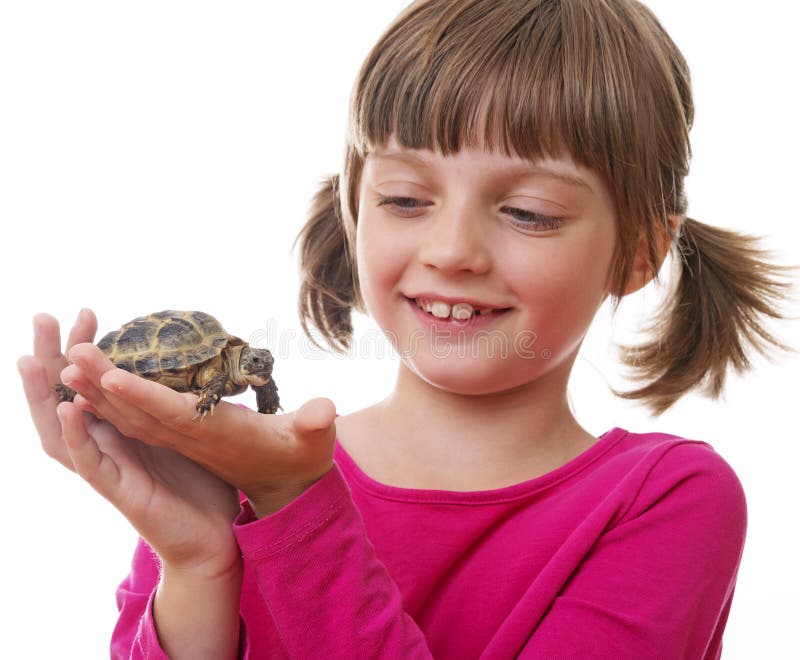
{"x":460,"y":314}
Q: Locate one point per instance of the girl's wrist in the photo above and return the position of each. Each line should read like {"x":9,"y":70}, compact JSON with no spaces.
{"x":218,"y":570}
{"x":271,"y":501}
{"x":196,"y":611}
{"x":265,"y":504}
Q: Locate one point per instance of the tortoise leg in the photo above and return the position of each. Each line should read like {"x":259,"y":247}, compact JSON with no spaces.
{"x":64,"y":393}
{"x":210,"y":395}
{"x":267,"y":398}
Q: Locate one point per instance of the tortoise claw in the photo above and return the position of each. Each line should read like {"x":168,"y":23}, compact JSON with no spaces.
{"x":205,"y":405}
{"x":201,"y":412}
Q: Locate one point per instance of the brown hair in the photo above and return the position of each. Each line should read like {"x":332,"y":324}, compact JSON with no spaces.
{"x":600,"y":79}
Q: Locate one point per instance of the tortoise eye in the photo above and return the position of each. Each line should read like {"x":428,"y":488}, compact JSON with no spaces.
{"x":256,"y":359}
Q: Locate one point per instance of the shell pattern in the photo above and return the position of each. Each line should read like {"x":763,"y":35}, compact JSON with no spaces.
{"x":168,"y":342}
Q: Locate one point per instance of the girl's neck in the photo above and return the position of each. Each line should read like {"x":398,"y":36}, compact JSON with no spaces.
{"x":424,"y":437}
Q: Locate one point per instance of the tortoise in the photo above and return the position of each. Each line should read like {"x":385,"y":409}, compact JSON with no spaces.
{"x":190,"y":352}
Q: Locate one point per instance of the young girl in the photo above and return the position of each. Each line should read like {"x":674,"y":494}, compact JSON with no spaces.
{"x":509,"y":166}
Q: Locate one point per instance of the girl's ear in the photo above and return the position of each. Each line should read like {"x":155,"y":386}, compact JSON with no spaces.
{"x":643,"y":271}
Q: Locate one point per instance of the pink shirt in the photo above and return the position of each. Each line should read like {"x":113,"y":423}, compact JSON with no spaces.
{"x":630,"y":550}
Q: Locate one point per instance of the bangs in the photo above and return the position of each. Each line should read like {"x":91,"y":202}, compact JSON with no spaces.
{"x":527,"y":78}
{"x":460,"y":84}
{"x":484,"y":76}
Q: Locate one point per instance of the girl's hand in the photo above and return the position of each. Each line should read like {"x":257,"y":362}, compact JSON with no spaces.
{"x":42,"y":370}
{"x":271,"y":458}
{"x":182,"y":510}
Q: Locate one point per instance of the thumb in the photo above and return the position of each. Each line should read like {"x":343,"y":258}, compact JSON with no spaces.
{"x":314,"y":421}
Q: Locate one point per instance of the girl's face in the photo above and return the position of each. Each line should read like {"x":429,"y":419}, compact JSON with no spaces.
{"x":530,"y":244}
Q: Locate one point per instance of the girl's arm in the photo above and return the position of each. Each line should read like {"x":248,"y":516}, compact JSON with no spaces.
{"x":313,"y":587}
{"x":183,"y":510}
{"x":321,"y":586}
{"x":187,"y":604}
{"x":184,"y":607}
{"x":655,"y":580}
{"x":327,"y":593}
{"x":184,"y":513}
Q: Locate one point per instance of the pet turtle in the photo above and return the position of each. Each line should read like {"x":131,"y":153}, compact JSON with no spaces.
{"x":190,"y":352}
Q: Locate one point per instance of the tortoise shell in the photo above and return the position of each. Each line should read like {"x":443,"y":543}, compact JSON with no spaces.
{"x":167,"y":343}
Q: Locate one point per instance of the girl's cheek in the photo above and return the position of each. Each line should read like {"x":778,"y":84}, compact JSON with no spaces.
{"x":375,"y":269}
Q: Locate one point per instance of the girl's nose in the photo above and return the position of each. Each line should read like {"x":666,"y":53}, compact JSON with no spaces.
{"x":456,"y":241}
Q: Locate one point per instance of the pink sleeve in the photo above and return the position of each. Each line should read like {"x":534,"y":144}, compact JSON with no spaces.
{"x":135,"y":633}
{"x":658,"y":583}
{"x":328,"y":594}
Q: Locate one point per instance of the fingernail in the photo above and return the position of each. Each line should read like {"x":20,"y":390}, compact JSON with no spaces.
{"x":79,"y":317}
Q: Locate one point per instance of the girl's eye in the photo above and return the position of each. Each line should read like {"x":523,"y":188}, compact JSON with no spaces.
{"x":402,"y":205}
{"x":531,"y":220}
{"x":525,"y":219}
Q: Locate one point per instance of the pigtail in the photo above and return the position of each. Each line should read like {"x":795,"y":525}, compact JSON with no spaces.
{"x":327,"y":288}
{"x":711,"y":317}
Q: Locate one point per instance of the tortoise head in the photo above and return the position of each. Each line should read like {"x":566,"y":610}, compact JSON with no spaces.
{"x":255,"y":364}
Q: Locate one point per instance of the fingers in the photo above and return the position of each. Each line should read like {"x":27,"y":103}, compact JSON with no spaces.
{"x":73,"y":377}
{"x":84,"y":329}
{"x":139,"y":408}
{"x":315,"y":418}
{"x":89,"y":461}
{"x":46,"y":337}
{"x":41,"y":371}
{"x":42,"y":402}
{"x":172,"y":409}
{"x":314,"y":427}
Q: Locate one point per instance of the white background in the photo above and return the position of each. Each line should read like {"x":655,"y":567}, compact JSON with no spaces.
{"x":162,"y":155}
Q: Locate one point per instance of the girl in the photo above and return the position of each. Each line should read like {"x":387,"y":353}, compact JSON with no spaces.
{"x":508,"y":167}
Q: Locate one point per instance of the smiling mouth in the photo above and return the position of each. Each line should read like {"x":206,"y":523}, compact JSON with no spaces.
{"x":460,"y":311}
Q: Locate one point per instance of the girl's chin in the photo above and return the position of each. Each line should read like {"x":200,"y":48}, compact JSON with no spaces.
{"x":469,"y":378}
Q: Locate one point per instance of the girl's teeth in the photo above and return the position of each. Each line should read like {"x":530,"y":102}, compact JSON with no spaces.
{"x":440,"y":309}
{"x":461,"y":311}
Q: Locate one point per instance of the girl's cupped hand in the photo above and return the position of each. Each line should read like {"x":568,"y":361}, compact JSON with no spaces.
{"x":174,"y":477}
{"x":271,"y":458}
